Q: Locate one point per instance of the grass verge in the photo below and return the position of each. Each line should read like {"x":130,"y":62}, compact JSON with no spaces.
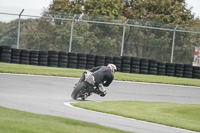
{"x":186,"y":116}
{"x":13,"y":121}
{"x":177,"y":115}
{"x":67,"y":72}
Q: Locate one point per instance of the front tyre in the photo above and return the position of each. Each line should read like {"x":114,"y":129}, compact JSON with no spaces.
{"x":79,"y":90}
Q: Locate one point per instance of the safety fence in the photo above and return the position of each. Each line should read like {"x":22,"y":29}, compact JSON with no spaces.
{"x":124,"y":64}
{"x":102,"y":35}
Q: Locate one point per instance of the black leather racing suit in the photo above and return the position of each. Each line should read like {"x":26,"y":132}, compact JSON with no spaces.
{"x":102,"y":74}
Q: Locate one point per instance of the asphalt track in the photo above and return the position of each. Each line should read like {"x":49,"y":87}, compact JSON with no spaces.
{"x":51,"y":96}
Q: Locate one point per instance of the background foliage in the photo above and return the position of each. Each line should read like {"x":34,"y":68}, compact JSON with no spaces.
{"x":104,"y":39}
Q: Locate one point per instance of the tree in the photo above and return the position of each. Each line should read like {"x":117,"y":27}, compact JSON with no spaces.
{"x":143,"y":43}
{"x":9,"y":32}
{"x":167,"y":11}
{"x":74,"y":6}
{"x":111,"y":8}
{"x":47,"y":35}
{"x":91,"y":7}
{"x":105,"y":10}
{"x":105,"y":39}
{"x":146,"y":43}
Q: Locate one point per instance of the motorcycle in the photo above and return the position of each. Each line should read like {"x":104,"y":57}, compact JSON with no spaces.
{"x":85,"y":88}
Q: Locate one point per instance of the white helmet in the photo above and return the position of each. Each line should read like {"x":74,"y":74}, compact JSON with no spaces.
{"x":112,"y":67}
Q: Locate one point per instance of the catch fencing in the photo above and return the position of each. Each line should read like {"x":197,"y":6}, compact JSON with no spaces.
{"x":100,"y":35}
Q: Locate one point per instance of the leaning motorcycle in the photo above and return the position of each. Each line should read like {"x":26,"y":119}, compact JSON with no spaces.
{"x":85,"y":88}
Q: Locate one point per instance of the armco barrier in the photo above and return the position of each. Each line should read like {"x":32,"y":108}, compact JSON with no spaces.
{"x":87,"y":61}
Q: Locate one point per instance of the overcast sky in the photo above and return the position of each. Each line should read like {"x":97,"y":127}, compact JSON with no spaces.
{"x":35,"y":7}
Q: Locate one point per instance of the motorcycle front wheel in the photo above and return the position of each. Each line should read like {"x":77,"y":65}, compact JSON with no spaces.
{"x":79,"y":90}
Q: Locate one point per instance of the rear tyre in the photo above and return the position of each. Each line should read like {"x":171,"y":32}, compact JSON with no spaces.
{"x":78,"y":90}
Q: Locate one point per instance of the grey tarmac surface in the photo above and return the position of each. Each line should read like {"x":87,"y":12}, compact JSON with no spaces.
{"x":51,"y":96}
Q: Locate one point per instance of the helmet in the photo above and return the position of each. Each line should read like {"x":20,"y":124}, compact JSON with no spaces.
{"x":112,"y":67}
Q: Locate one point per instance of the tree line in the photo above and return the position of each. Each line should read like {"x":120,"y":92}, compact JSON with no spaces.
{"x":105,"y":39}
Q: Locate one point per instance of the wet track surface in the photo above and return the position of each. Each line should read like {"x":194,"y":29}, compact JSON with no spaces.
{"x":51,"y":96}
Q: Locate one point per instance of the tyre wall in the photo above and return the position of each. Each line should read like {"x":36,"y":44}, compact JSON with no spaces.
{"x":25,"y":57}
{"x":43,"y":58}
{"x":62,"y":59}
{"x":124,"y":64}
{"x":53,"y":58}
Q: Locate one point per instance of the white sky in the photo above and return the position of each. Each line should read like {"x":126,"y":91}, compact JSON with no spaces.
{"x":35,"y":7}
{"x":31,"y":7}
{"x":196,"y":6}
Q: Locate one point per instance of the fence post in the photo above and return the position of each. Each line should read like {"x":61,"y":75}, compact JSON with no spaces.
{"x":19,"y":25}
{"x":124,"y":31}
{"x":72,"y":27}
{"x":174,"y":35}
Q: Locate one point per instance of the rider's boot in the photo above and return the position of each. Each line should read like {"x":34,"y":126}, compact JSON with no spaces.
{"x":102,"y":91}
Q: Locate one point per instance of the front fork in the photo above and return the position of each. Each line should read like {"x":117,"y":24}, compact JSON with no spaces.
{"x":88,"y":91}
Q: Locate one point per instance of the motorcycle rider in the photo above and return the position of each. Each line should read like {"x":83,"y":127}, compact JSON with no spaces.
{"x":101,"y":76}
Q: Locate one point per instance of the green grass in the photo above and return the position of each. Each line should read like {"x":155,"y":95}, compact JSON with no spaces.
{"x":39,"y":70}
{"x":177,"y":115}
{"x":66,"y":72}
{"x":157,"y":79}
{"x":13,"y":121}
{"x":186,"y":116}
